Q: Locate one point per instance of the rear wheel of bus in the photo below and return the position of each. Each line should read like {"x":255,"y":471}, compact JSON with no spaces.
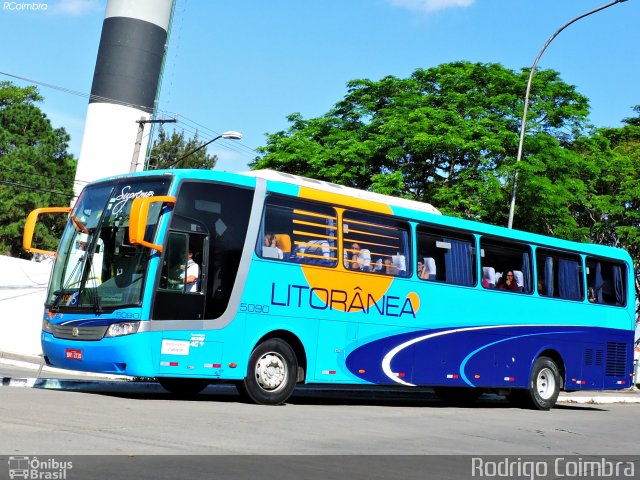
{"x":544,"y":386}
{"x":271,"y":373}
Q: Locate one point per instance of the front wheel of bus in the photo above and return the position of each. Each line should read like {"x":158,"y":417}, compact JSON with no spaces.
{"x":544,"y":385}
{"x":271,"y":374}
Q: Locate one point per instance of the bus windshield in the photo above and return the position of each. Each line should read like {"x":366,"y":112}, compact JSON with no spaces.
{"x":96,"y":266}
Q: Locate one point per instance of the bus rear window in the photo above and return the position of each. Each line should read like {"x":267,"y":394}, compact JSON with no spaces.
{"x":606,"y":282}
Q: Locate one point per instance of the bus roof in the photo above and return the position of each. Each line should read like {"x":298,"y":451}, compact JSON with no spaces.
{"x":340,"y":189}
{"x":410,"y":206}
{"x":444,"y":220}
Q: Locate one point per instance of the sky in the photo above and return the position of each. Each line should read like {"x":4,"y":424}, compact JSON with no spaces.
{"x":245,"y":65}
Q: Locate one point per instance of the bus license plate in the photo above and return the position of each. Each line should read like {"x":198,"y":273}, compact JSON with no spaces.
{"x":73,"y":354}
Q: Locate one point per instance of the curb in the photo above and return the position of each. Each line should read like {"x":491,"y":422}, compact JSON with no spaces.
{"x":599,"y":399}
{"x":84,"y":385}
{"x":35,"y":362}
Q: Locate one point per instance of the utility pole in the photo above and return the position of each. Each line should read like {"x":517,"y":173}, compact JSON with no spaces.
{"x":136,"y":150}
{"x":523,"y":124}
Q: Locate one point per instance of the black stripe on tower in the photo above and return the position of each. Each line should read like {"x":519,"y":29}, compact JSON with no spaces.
{"x":129,"y":62}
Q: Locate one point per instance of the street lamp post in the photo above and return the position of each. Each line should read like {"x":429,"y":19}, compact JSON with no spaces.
{"x":230,"y":135}
{"x":523,"y":125}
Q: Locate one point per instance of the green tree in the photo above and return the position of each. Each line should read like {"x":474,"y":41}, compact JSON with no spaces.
{"x":36,"y":169}
{"x":611,"y":212}
{"x":448,"y":135}
{"x":167,"y":149}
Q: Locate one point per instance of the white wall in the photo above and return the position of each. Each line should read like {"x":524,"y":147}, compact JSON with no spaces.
{"x":23,"y":286}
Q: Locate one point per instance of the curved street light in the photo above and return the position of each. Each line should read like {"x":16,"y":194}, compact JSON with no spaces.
{"x":523,"y":125}
{"x":229,"y":135}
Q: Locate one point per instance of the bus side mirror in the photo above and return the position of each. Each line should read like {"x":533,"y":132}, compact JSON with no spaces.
{"x":138,"y":219}
{"x":30,"y":227}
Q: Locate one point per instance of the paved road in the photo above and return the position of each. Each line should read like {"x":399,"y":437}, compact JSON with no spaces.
{"x":147,"y":420}
{"x":90,"y":415}
{"x":134,"y":420}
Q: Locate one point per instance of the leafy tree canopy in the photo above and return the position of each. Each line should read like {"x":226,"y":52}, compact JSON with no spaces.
{"x":448,"y":135}
{"x":36,"y":169}
{"x":611,"y":212}
{"x":167,"y":149}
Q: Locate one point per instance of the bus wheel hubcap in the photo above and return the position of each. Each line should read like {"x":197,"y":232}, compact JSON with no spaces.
{"x":271,"y":371}
{"x":546,"y":383}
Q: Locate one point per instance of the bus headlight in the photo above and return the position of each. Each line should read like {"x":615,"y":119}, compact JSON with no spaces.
{"x":46,"y":326}
{"x":121,"y":329}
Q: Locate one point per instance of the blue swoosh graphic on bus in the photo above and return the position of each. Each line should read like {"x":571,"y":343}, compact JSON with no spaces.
{"x":388,"y":358}
{"x":468,"y":357}
{"x":386,"y":361}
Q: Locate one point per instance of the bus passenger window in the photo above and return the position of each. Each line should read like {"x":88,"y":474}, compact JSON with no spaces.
{"x":446,"y":256}
{"x":559,"y":275}
{"x":299,"y":232}
{"x":506,"y":266}
{"x":375,"y":244}
{"x":607,"y":282}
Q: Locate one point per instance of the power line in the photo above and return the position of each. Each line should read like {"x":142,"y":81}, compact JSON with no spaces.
{"x":74,"y":92}
{"x":185,"y":120}
{"x":187,"y":123}
{"x":29,"y":187}
{"x":214,"y":132}
{"x":62,"y":180}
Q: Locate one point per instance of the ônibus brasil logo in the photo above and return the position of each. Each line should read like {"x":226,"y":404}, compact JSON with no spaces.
{"x":40,"y":469}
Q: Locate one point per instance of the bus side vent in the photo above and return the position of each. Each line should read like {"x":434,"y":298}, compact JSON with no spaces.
{"x":599,"y":357}
{"x":616,"y":359}
{"x":588,"y":356}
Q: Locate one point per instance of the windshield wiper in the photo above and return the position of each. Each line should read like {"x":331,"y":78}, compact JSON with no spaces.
{"x":78,"y":224}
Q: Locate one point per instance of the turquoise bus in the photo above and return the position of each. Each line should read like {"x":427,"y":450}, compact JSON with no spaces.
{"x":266,"y":280}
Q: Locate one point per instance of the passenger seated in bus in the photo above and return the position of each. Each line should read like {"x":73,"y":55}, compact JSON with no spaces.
{"x":364,"y":260}
{"x":270,"y":247}
{"x":388,"y":267}
{"x":319,"y":248}
{"x":269,"y":239}
{"x":395,"y":266}
{"x":507,"y":282}
{"x":314,"y":252}
{"x":488,"y":277}
{"x":422,"y":271}
{"x":593,"y":298}
{"x":283,"y":242}
{"x":399,"y":265}
{"x":428,"y":271}
{"x":351,"y":257}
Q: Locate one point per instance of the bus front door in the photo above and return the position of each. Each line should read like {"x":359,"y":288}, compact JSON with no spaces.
{"x":180,"y":294}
